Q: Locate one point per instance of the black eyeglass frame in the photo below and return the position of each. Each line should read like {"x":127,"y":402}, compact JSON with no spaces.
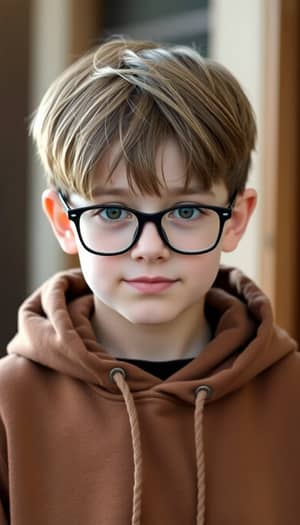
{"x":74,"y":214}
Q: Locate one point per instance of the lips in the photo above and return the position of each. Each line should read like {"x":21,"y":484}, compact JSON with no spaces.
{"x":145,"y":279}
{"x":151,"y":285}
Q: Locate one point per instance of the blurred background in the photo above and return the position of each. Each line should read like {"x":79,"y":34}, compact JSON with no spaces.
{"x":259,"y":41}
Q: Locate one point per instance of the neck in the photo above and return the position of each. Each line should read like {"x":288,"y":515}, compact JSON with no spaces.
{"x":179,"y":339}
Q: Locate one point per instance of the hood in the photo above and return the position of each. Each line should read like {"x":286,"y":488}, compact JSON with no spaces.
{"x":54,"y":330}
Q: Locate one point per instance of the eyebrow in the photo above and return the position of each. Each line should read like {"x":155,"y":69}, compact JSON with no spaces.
{"x":122,"y":192}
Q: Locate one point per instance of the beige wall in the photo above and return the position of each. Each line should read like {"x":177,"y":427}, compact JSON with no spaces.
{"x":238,"y":42}
{"x":49,"y":46}
{"x":60,"y":30}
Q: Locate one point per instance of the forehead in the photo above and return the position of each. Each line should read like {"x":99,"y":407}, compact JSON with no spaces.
{"x":170,"y":172}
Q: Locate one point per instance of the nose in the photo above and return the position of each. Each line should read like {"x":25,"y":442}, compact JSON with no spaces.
{"x":150,"y":246}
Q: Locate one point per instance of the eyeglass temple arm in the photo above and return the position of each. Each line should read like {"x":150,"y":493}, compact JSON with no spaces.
{"x":63,"y":200}
{"x":233,"y":199}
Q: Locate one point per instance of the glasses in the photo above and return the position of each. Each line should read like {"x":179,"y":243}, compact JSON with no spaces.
{"x":113,"y":229}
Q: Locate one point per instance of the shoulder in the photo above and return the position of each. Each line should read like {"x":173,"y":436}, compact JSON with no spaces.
{"x":282,"y":379}
{"x":289,"y":365}
{"x":14,"y":367}
{"x":20,"y":378}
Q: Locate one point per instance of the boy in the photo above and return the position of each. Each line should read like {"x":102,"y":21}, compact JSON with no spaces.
{"x":151,"y":386}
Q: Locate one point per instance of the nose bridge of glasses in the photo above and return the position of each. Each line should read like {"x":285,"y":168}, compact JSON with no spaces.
{"x":153,"y":220}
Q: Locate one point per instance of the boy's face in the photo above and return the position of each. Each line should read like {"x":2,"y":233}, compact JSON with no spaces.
{"x":184,"y":279}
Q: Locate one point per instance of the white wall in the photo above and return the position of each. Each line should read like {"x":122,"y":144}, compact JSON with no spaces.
{"x":238,"y":43}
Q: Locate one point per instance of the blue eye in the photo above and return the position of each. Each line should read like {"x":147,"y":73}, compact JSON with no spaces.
{"x":186,"y":213}
{"x":112,"y":213}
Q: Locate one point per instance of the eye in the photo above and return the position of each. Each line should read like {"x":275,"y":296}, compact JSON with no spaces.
{"x":186,"y":213}
{"x":114,"y":213}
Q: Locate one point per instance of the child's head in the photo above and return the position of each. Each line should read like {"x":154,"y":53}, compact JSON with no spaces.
{"x":137,"y":127}
{"x":138,"y":94}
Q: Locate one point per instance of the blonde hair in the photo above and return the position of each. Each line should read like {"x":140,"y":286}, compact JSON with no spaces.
{"x":140,"y":94}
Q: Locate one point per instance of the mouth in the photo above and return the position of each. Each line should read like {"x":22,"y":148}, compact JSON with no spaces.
{"x":151,"y":284}
{"x":146,"y":279}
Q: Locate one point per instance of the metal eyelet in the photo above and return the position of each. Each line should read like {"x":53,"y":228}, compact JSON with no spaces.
{"x":116,"y":370}
{"x":206,"y":388}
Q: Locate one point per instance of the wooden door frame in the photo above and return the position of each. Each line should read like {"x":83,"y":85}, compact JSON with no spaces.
{"x":14,"y":41}
{"x":281,"y":236}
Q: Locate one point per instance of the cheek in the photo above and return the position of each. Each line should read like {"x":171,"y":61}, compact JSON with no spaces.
{"x":100,"y":273}
{"x":203,"y":269}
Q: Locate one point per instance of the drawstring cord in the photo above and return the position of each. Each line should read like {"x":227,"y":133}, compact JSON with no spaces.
{"x":202,"y":393}
{"x":119,"y":377}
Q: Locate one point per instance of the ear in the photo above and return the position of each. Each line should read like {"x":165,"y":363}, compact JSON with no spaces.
{"x":59,"y":221}
{"x":236,"y":226}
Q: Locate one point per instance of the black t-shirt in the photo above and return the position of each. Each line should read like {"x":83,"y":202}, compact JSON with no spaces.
{"x":161,"y":369}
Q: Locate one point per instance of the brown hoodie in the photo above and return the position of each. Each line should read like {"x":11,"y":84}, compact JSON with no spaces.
{"x":80,"y":447}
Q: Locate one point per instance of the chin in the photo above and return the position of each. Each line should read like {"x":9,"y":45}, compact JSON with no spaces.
{"x":152,"y":317}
